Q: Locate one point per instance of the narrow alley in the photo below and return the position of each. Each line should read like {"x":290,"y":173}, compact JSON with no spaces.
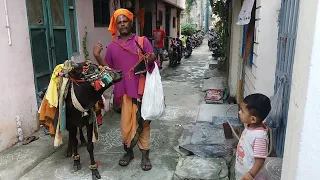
{"x":182,"y":86}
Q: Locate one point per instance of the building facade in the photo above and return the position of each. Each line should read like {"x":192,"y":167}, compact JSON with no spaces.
{"x":284,"y":45}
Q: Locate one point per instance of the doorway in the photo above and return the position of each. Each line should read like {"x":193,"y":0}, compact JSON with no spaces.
{"x":53,"y":36}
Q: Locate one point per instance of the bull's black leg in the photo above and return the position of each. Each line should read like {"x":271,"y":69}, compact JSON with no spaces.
{"x":69,"y":149}
{"x":74,"y":141}
{"x":82,"y":139}
{"x":93,"y":166}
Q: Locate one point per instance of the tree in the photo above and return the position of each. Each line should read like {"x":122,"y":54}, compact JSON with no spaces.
{"x":188,"y":29}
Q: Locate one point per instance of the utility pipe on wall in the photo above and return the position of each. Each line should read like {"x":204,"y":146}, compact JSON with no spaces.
{"x":7,"y":22}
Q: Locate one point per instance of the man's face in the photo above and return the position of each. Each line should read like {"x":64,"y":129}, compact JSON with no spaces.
{"x":158,"y":25}
{"x":124,"y":25}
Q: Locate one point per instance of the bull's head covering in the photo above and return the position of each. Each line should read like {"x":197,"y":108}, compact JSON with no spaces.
{"x":113,"y":22}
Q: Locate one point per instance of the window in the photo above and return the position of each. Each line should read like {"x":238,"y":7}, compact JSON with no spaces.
{"x":248,"y":38}
{"x":73,"y":26}
{"x":174,"y":22}
{"x":101,"y":13}
{"x":160,"y":16}
{"x":250,"y":58}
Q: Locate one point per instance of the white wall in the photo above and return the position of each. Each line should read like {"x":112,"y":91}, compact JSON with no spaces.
{"x":260,"y":76}
{"x":162,"y":8}
{"x":84,"y":10}
{"x":235,"y":48}
{"x":301,"y":155}
{"x":17,"y":96}
{"x":173,"y":31}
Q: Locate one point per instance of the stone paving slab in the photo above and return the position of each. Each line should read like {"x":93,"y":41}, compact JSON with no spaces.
{"x":213,"y":64}
{"x":207,"y":111}
{"x":207,"y":133}
{"x":211,"y":151}
{"x":216,"y":83}
{"x":195,"y":168}
{"x":208,"y":140}
{"x":209,"y":73}
{"x":219,"y":120}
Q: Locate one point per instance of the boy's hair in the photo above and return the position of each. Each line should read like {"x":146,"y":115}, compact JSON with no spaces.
{"x":258,"y":105}
{"x":159,"y":22}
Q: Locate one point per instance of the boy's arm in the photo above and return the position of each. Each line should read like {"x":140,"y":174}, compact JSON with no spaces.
{"x":258,"y":164}
{"x":260,"y":151}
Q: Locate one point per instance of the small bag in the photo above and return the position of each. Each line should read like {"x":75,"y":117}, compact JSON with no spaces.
{"x":153,"y":104}
{"x":140,"y":68}
{"x":275,"y":117}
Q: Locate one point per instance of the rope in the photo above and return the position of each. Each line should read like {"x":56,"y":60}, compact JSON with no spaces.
{"x":77,"y":104}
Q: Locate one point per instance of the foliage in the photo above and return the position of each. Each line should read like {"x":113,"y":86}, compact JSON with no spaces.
{"x":84,"y":44}
{"x":188,"y":29}
{"x":220,"y":8}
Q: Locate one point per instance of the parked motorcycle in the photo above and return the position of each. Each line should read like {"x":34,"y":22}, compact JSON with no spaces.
{"x":188,"y":48}
{"x":175,"y":53}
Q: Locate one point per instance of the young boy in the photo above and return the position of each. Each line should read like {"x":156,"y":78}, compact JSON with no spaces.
{"x":253,"y":144}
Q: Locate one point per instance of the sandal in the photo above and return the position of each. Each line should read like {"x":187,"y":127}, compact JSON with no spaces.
{"x":146,"y":164}
{"x":145,"y":161}
{"x":30,"y":139}
{"x":126,"y":159}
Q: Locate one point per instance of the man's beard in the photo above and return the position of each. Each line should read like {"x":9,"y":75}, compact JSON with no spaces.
{"x":126,"y":33}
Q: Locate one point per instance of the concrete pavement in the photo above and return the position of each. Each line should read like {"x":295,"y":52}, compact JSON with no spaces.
{"x":182,"y":87}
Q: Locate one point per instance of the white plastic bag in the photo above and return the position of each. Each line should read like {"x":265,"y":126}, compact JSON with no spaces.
{"x":275,"y":117}
{"x":153,"y":105}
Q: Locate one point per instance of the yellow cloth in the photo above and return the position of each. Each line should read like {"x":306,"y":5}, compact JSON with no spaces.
{"x":52,"y":92}
{"x":58,"y":134}
{"x":113,"y":21}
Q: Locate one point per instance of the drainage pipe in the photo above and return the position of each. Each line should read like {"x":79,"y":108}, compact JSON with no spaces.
{"x":7,"y":22}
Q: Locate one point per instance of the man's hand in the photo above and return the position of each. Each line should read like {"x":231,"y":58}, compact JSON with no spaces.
{"x":97,"y":49}
{"x":247,"y":176}
{"x":150,"y":58}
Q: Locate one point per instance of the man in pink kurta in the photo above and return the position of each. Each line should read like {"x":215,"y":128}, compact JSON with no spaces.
{"x":124,"y":54}
{"x":122,"y":59}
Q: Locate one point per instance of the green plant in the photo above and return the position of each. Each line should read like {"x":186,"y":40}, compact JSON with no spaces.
{"x":188,"y":29}
{"x":220,"y":8}
{"x":84,"y":44}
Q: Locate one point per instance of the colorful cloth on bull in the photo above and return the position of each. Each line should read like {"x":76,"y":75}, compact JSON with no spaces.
{"x":52,"y":92}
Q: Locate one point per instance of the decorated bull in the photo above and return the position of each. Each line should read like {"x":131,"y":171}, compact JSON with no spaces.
{"x":73,"y":92}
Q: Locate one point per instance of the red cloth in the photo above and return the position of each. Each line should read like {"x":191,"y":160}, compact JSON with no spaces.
{"x":159,"y":35}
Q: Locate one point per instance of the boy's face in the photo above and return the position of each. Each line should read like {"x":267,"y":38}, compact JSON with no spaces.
{"x":158,"y":25}
{"x":245,"y":116}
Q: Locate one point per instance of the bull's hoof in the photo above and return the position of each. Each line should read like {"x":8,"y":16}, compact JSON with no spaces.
{"x":95,"y":174}
{"x":77,"y":165}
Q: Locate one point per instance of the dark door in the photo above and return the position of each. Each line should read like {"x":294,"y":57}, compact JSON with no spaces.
{"x":48,"y":38}
{"x":147,"y":31}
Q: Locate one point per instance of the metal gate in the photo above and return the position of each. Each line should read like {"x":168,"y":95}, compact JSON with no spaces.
{"x":286,"y":50}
